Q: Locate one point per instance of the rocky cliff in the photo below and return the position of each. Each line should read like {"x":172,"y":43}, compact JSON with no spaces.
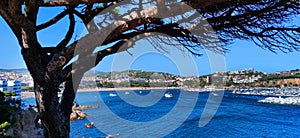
{"x":27,"y":125}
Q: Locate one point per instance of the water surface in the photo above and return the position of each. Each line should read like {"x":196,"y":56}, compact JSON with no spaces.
{"x":237,"y":116}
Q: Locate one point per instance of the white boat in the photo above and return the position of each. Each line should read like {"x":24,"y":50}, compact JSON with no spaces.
{"x":168,"y":95}
{"x":215,"y":94}
{"x":283,"y":101}
{"x":127,"y":92}
{"x":112,"y":95}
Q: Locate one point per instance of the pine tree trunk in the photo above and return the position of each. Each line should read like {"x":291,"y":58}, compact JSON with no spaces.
{"x":54,"y":121}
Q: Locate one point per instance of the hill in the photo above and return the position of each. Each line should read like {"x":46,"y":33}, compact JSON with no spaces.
{"x":14,"y":70}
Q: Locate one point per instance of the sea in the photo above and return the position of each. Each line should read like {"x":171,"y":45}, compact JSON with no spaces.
{"x":148,"y":113}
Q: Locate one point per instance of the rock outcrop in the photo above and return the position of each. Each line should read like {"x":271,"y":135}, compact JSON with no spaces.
{"x":77,"y":114}
{"x":28,"y":124}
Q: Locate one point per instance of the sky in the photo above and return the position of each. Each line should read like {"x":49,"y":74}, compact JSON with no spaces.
{"x":242,"y":54}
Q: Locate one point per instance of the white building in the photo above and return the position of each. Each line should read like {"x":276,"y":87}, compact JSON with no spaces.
{"x":3,"y":85}
{"x":15,"y":85}
{"x":11,"y":85}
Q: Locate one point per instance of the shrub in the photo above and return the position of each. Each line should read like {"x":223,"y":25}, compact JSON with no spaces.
{"x":5,"y":125}
{"x":9,"y":93}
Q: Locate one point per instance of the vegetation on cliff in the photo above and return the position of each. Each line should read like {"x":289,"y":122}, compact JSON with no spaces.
{"x":8,"y":107}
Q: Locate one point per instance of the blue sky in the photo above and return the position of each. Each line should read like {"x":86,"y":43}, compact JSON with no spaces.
{"x":242,"y":54}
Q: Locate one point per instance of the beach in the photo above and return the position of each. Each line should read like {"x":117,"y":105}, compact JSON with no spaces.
{"x":125,"y":88}
{"x":27,"y":94}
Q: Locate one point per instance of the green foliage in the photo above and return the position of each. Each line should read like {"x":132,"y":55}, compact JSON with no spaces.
{"x":229,"y":83}
{"x":5,"y":125}
{"x":279,"y":77}
{"x":295,"y":70}
{"x":172,"y":85}
{"x":139,"y":84}
{"x":9,"y":93}
{"x":203,"y":83}
{"x":135,"y":74}
{"x":116,"y":11}
{"x":2,"y":98}
{"x":26,"y":88}
{"x":108,"y":84}
{"x":7,"y":109}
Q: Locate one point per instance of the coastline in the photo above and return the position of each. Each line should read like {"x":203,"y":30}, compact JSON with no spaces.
{"x":27,"y":94}
{"x":125,"y":88}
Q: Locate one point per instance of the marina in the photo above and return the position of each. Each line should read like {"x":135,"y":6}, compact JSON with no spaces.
{"x":280,"y":100}
{"x":268,"y":91}
{"x":283,"y":96}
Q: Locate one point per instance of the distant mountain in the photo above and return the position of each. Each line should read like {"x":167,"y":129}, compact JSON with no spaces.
{"x":93,"y":72}
{"x":14,"y":70}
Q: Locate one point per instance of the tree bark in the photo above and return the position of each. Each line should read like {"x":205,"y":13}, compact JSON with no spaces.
{"x":55,"y":122}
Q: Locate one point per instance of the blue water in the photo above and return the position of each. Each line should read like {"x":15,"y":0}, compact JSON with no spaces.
{"x":237,"y":116}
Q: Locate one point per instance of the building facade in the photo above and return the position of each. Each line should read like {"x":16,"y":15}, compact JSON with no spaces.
{"x":11,"y":85}
{"x":3,"y":85}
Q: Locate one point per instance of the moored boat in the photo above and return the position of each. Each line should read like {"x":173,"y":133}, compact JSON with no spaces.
{"x":112,"y":95}
{"x":168,"y":95}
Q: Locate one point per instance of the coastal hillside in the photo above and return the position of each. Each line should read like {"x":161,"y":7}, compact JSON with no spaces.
{"x":291,"y":82}
{"x":247,"y":77}
{"x":14,"y":70}
{"x":130,"y":78}
{"x":140,"y":78}
{"x":280,"y":79}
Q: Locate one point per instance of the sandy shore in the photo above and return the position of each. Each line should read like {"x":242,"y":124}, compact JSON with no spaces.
{"x":124,"y":88}
{"x":31,"y":94}
{"x":27,"y":94}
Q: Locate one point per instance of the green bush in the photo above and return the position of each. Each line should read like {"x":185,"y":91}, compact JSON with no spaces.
{"x":9,"y":93}
{"x":2,"y":98}
{"x":5,"y":125}
{"x":6,"y":111}
{"x":26,"y":88}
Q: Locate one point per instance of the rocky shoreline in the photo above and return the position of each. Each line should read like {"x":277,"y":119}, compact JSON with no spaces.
{"x":77,"y":113}
{"x":27,"y":94}
{"x":28,"y":124}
